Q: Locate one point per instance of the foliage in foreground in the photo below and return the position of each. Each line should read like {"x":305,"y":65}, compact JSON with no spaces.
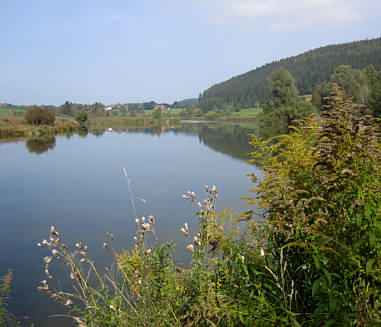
{"x":6,"y":318}
{"x":310,"y":257}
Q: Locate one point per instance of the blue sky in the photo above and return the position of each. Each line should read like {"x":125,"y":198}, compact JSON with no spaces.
{"x":163,"y":50}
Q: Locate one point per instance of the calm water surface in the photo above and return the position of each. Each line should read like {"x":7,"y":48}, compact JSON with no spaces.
{"x":76,"y":184}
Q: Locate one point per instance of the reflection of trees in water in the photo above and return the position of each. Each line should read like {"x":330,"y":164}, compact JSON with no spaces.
{"x":230,"y":139}
{"x":82,"y":131}
{"x":40,"y":144}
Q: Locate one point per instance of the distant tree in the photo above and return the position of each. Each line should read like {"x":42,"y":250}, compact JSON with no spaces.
{"x":157,"y":114}
{"x":320,"y":94}
{"x":81,"y":117}
{"x":67,"y":108}
{"x":38,"y":116}
{"x":354,"y":82}
{"x":374,"y":101}
{"x":283,"y":87}
{"x":123,"y":111}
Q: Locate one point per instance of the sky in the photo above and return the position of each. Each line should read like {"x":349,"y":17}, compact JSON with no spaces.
{"x":123,"y":51}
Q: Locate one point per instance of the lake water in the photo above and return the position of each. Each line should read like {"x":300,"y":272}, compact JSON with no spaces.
{"x":76,"y":184}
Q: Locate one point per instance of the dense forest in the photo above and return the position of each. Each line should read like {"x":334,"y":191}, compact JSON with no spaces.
{"x":309,"y":69}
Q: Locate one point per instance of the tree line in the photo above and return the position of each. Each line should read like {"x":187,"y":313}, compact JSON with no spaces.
{"x":309,"y":69}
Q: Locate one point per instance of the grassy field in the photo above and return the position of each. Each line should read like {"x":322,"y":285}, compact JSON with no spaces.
{"x":248,"y":112}
{"x":172,"y":112}
{"x":4,"y":112}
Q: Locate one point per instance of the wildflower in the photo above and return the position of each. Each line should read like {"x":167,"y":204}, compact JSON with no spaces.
{"x":72,"y":276}
{"x":190,"y":248}
{"x":136,"y":239}
{"x":112,"y":236}
{"x":185,"y":197}
{"x":242,"y":259}
{"x":149,"y":251}
{"x":44,"y":286}
{"x":40,"y":245}
{"x":55,"y":252}
{"x":207,"y":188}
{"x":196,"y":240}
{"x":112,"y":307}
{"x":137,"y":221}
{"x":184,"y":231}
{"x":146,"y":226}
{"x":151,"y":220}
{"x":53,"y":231}
{"x":304,"y":267}
{"x":143,"y":220}
{"x":105,"y":245}
{"x":79,"y":245}
{"x":262,"y":252}
{"x":68,"y":302}
{"x":186,"y":227}
{"x":48,"y":259}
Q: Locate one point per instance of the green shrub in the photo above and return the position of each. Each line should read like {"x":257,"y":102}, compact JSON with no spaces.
{"x":81,"y":117}
{"x":322,"y":208}
{"x":211,"y":115}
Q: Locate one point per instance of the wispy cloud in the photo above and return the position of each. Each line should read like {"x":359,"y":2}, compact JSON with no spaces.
{"x":289,"y":14}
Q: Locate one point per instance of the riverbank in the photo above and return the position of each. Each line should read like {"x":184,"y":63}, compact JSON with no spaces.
{"x":18,"y":127}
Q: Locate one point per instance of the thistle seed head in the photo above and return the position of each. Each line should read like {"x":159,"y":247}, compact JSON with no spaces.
{"x":190,"y":248}
{"x":53,"y":231}
{"x":184,"y":231}
{"x":151,"y":220}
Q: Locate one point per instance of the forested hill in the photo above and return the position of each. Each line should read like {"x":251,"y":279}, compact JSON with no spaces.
{"x":309,"y":68}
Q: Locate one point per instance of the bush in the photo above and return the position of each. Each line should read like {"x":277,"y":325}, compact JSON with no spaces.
{"x":38,"y":116}
{"x":321,"y":198}
{"x":81,"y":117}
{"x":211,"y":115}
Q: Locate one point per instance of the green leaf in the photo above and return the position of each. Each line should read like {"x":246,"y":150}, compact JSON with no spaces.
{"x":371,"y":238}
{"x":315,"y":286}
{"x":332,"y":304}
{"x":359,"y":220}
{"x":328,"y":276}
{"x":330,"y":322}
{"x":369,"y":266}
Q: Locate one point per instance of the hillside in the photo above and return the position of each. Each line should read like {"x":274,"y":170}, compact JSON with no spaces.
{"x":308,"y":69}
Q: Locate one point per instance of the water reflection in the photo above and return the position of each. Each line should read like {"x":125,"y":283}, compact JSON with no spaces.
{"x":82,"y":131}
{"x":40,"y":145}
{"x":231,"y":139}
